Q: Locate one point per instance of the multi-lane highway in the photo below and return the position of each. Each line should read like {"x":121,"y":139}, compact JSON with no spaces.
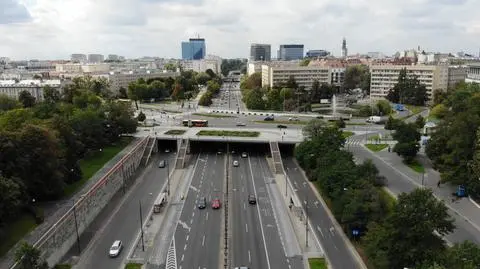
{"x":198,"y":235}
{"x":255,"y":240}
{"x":333,"y":245}
{"x":122,"y":222}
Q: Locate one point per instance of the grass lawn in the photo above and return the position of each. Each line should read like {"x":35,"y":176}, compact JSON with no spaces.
{"x":317,"y":263}
{"x":347,"y":134}
{"x":229,"y":133}
{"x":391,"y":200}
{"x":92,"y":164}
{"x":376,"y":147}
{"x":416,"y":166}
{"x":133,"y":266}
{"x":282,"y":122}
{"x":213,"y":115}
{"x":175,"y":132}
{"x":15,"y":231}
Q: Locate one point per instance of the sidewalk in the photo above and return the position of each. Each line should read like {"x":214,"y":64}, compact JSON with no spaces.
{"x":55,"y":209}
{"x":464,"y":207}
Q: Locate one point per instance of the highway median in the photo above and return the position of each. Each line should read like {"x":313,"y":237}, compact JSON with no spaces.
{"x":228,"y":133}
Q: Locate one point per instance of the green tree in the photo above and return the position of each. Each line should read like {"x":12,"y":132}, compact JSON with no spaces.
{"x":274,"y":100}
{"x":305,"y":62}
{"x":408,"y":90}
{"x":178,"y":92}
{"x":171,"y":67}
{"x":315,"y":94}
{"x":141,"y":117}
{"x":254,"y":81}
{"x":357,"y":76}
{"x":8,"y":103}
{"x":254,"y":100}
{"x":383,"y":107}
{"x":11,"y":199}
{"x":407,"y":136}
{"x":51,"y":95}
{"x":465,"y":255}
{"x":291,"y":83}
{"x":29,"y":257}
{"x":407,"y":236}
{"x":391,"y":123}
{"x":26,"y":98}
{"x":122,"y":93}
{"x":205,"y":99}
{"x":202,"y":78}
{"x":439,"y":96}
{"x":420,"y":121}
{"x":439,"y":111}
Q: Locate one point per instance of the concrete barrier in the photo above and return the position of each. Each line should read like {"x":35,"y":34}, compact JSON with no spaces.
{"x":55,"y":243}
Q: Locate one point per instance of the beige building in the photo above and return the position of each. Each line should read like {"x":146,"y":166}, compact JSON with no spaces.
{"x":119,"y":80}
{"x":82,"y":68}
{"x":384,"y":78}
{"x":456,"y":74}
{"x":13,"y":88}
{"x":304,"y":75}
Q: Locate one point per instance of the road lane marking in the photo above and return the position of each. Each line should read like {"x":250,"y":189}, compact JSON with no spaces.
{"x":246,"y":228}
{"x":185,"y":247}
{"x":203,"y":240}
{"x":249,"y":257}
{"x":207,"y":216}
{"x":188,"y":236}
{"x":320,"y":230}
{"x":244,"y":206}
{"x":193,"y":214}
{"x":191,"y":221}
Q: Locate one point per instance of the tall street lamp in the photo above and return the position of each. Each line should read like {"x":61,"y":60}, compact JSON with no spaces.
{"x":141,"y":225}
{"x":76,"y":227}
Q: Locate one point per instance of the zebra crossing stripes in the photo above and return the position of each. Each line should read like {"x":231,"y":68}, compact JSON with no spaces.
{"x":354,"y":141}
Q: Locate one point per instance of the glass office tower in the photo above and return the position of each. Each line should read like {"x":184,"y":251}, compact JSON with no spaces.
{"x":194,"y":49}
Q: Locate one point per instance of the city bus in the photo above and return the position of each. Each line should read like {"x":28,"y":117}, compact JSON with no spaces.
{"x":195,"y":123}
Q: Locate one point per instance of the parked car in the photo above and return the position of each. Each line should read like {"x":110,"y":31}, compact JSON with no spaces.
{"x":216,"y":203}
{"x":115,"y":249}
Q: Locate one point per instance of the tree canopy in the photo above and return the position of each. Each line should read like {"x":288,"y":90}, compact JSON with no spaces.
{"x":408,"y":90}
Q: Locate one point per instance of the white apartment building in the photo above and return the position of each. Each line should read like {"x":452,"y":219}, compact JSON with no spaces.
{"x":82,"y":68}
{"x":95,"y":58}
{"x":338,"y":76}
{"x":121,"y":80}
{"x":384,"y":78}
{"x":473,"y":73}
{"x":254,"y":67}
{"x":13,"y":88}
{"x":79,"y":58}
{"x":304,"y":75}
{"x":209,"y":62}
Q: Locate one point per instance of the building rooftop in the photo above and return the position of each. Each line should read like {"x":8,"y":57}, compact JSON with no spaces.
{"x":29,"y":82}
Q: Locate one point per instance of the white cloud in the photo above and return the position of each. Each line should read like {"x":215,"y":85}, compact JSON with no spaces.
{"x":57,"y":28}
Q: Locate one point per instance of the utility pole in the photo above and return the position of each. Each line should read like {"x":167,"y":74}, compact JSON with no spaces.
{"x":306,"y":222}
{"x":286,"y":188}
{"x":141,"y":225}
{"x":168,"y":177}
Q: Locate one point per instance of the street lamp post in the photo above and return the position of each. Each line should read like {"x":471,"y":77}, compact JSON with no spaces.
{"x":306,"y":222}
{"x":141,"y":225}
{"x":286,"y":188}
{"x":423,"y":179}
{"x":76,"y":227}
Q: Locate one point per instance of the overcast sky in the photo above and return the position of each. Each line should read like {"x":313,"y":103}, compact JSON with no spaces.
{"x":54,"y":29}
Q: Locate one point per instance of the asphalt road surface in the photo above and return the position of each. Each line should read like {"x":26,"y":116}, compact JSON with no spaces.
{"x":333,"y":245}
{"x":198,"y":235}
{"x":124,"y":224}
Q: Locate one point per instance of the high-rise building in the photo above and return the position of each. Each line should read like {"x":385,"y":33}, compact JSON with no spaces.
{"x":317,"y":53}
{"x":344,"y":48}
{"x":193,"y":49}
{"x":260,"y":52}
{"x":276,"y":74}
{"x":78,"y":58}
{"x":290,"y":52}
{"x":95,"y":58}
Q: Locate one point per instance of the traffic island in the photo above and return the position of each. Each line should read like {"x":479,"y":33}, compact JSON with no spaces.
{"x":228,"y":133}
{"x":133,"y":266}
{"x":317,"y":263}
{"x":212,"y":115}
{"x":376,"y":147}
{"x":175,"y":132}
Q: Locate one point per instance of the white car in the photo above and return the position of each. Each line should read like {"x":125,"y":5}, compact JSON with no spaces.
{"x":244,"y":155}
{"x":241,"y":124}
{"x":115,"y":249}
{"x":235,"y":163}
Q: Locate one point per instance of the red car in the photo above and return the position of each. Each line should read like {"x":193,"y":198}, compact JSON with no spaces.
{"x":216,"y":203}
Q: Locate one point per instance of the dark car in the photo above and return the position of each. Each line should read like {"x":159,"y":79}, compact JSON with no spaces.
{"x":162,"y":164}
{"x":202,"y":203}
{"x":252,"y":199}
{"x":269,"y":118}
{"x":281,"y":126}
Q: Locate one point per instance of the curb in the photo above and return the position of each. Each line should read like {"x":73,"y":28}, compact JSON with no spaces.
{"x":473,"y":202}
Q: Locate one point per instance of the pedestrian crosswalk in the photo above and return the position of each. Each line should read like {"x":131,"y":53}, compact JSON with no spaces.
{"x":354,"y":141}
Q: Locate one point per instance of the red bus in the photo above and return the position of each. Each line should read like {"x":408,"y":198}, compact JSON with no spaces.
{"x":195,"y":123}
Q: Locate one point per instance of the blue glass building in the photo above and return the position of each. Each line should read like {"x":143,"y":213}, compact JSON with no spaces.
{"x":194,"y":49}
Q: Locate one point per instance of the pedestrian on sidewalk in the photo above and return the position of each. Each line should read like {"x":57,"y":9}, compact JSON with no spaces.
{"x":438,"y":184}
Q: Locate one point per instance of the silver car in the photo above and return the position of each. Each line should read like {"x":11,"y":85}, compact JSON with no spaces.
{"x":115,"y":249}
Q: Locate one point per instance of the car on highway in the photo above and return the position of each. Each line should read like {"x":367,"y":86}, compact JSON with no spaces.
{"x":216,"y":203}
{"x":252,"y":199}
{"x":115,"y":249}
{"x":269,"y":118}
{"x":281,"y":126}
{"x":161,"y":164}
{"x":235,"y":163}
{"x":244,"y":155}
{"x":241,"y":124}
{"x":202,"y":203}
{"x":242,"y":267}
{"x":167,"y":150}
{"x":293,"y":119}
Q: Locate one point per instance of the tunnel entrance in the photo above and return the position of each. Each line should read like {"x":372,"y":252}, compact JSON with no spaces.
{"x":221,"y":146}
{"x":167,"y":144}
{"x":286,"y":149}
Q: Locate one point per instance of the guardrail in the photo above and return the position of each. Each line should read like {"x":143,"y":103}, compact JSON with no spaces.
{"x":56,"y":241}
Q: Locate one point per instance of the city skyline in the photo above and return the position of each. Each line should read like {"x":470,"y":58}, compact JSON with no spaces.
{"x":54,"y":29}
